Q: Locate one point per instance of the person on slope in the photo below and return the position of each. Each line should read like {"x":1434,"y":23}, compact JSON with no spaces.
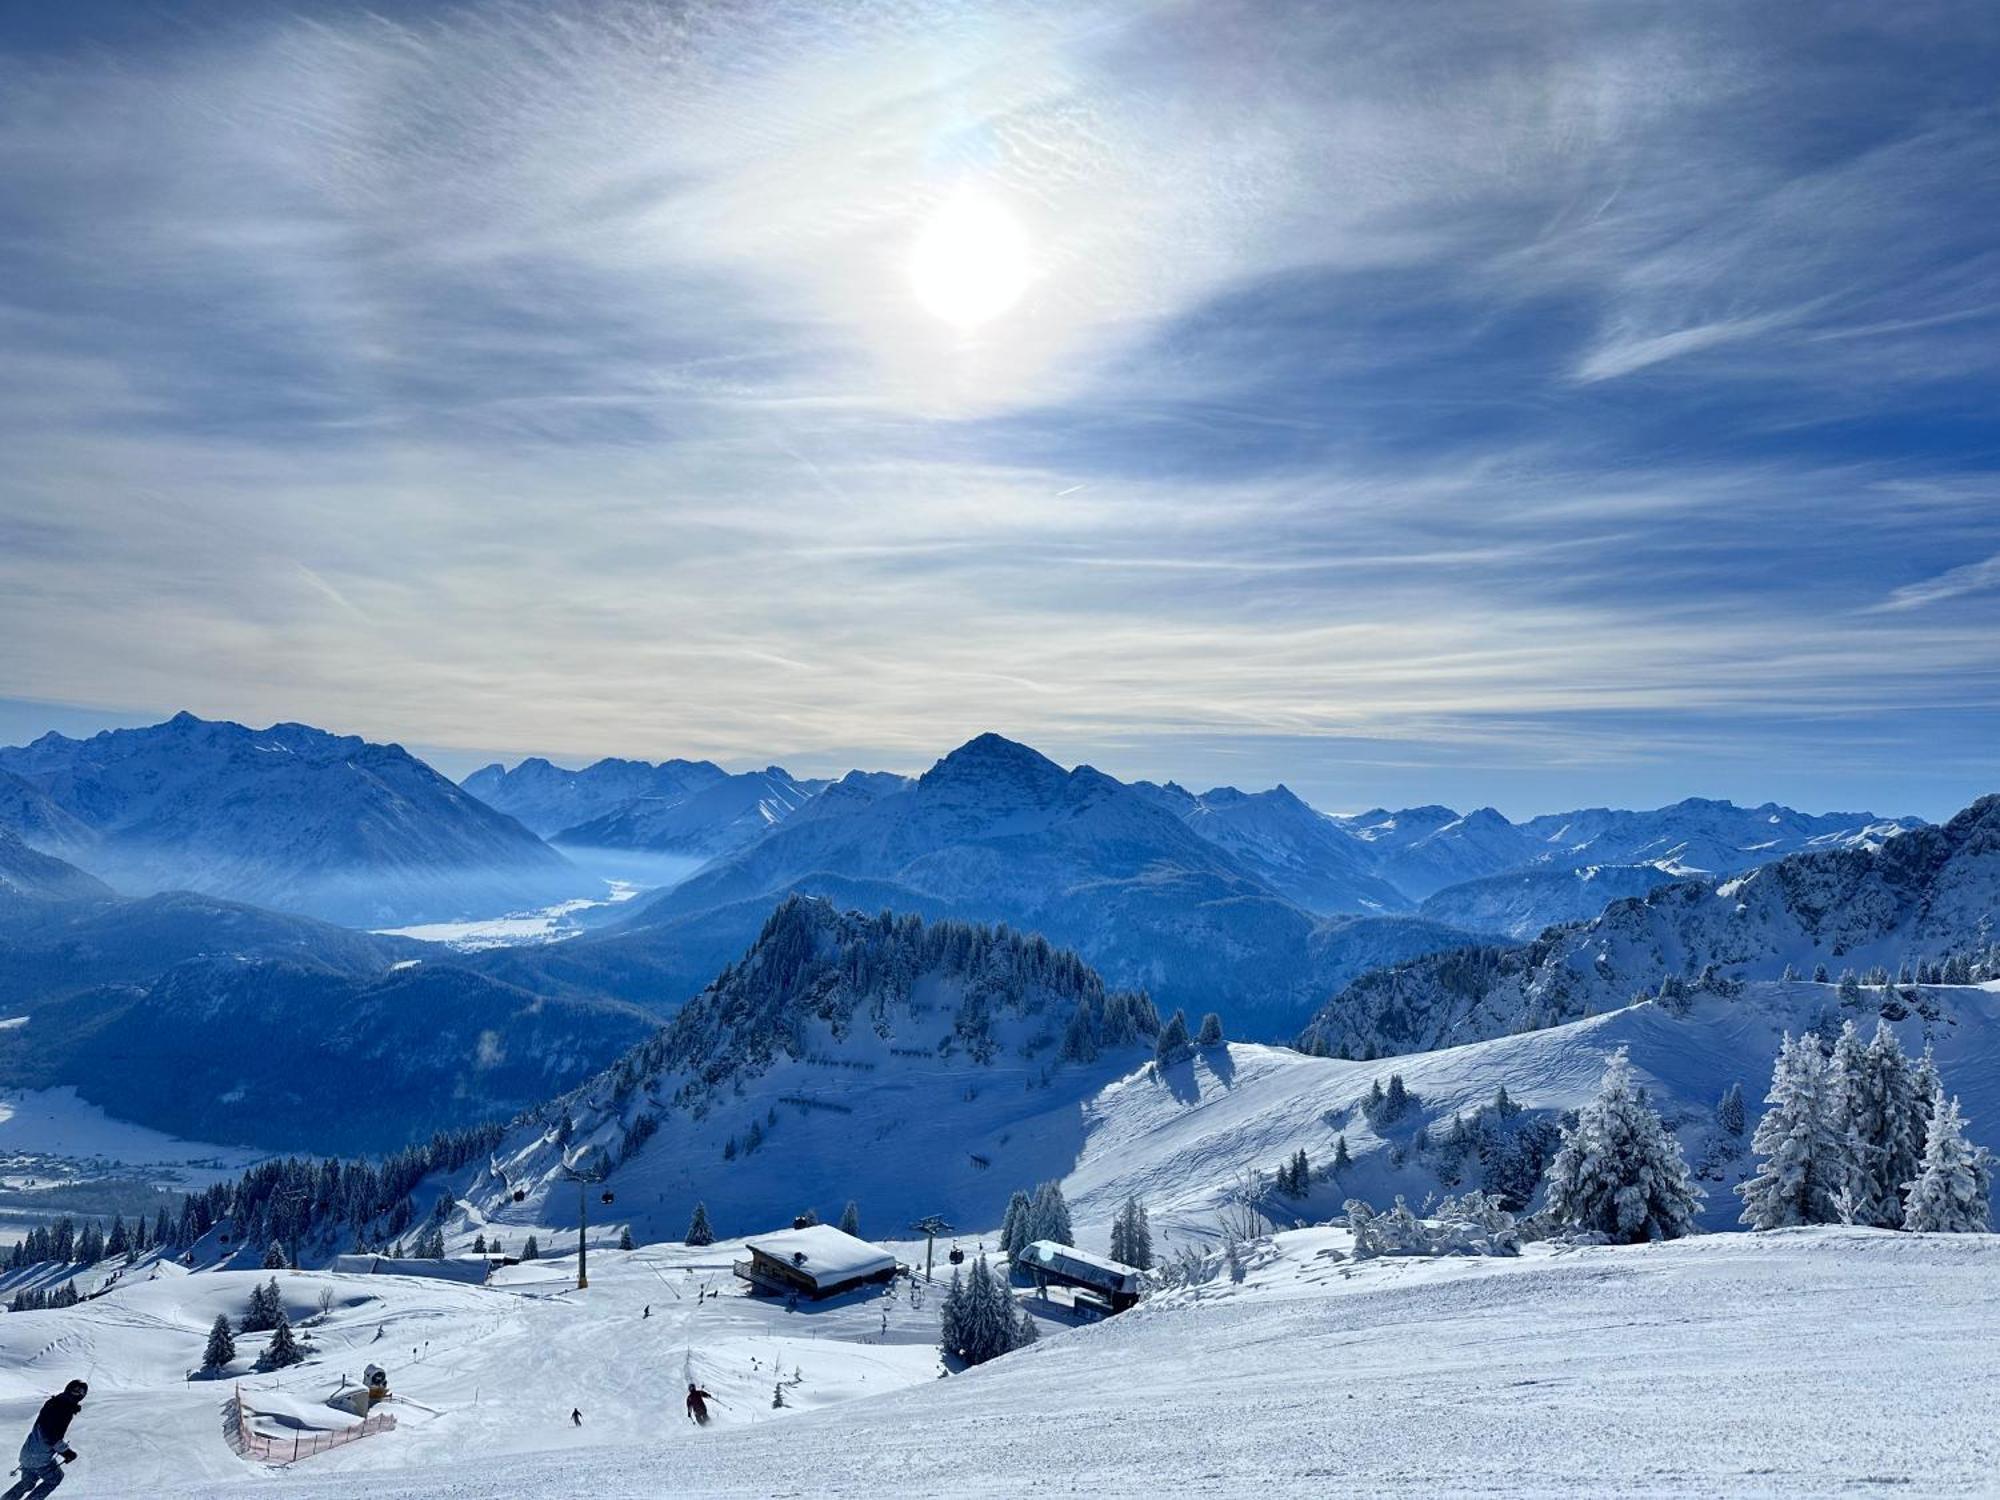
{"x":47,"y":1449}
{"x":698,"y":1400}
{"x":575,"y":1417}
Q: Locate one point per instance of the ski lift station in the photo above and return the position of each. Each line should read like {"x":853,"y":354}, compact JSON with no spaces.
{"x":1100,"y":1280}
{"x":816,"y":1261}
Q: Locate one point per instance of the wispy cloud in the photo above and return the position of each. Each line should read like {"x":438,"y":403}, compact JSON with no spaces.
{"x":550,"y":376}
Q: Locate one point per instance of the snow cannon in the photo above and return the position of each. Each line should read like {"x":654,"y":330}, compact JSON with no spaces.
{"x":377,"y":1379}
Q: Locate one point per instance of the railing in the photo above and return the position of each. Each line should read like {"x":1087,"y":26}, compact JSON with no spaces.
{"x":265,"y":1448}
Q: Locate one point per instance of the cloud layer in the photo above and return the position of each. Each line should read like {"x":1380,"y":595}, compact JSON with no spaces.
{"x":1401,"y":394}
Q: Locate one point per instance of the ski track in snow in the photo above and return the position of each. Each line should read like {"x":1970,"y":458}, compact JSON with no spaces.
{"x":1801,"y":1362}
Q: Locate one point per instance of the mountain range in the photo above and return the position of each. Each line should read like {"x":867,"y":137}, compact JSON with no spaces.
{"x":1924,"y":895}
{"x":289,"y":817}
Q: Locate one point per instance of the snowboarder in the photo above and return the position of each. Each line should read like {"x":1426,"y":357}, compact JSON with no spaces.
{"x":575,"y":1416}
{"x":698,"y":1400}
{"x":46,"y":1451}
{"x":647,"y":1313}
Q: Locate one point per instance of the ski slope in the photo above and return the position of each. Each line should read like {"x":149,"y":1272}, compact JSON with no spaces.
{"x":1803,"y":1362}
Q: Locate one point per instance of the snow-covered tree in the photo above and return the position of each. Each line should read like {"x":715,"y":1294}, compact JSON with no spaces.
{"x":850,"y":1219}
{"x":221,"y":1345}
{"x":951,"y":1316}
{"x":1172,"y":1045}
{"x":479,"y":1244}
{"x":1015,"y":1227}
{"x":1048,"y":1216}
{"x":1729,"y":1111}
{"x":1953,"y":1192}
{"x":625,"y":1238}
{"x":1883,"y":1121}
{"x":532,"y":1250}
{"x":1819,"y":974}
{"x":274,"y":1258}
{"x":1211,"y":1031}
{"x":1850,"y":988}
{"x":1619,"y":1171}
{"x":1801,"y":1143}
{"x":265,"y":1305}
{"x":1132,"y":1236}
{"x":699,"y":1231}
{"x":284,"y":1347}
{"x":1342,"y":1160}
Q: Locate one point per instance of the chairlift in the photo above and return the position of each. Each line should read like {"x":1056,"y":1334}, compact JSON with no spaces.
{"x":957,"y":1256}
{"x":605,"y":1197}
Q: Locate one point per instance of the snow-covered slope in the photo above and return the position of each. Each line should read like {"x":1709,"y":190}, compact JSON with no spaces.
{"x":1924,"y":894}
{"x":548,"y":798}
{"x":290,"y":817}
{"x":1730,"y":1365}
{"x":1301,"y":853}
{"x":1523,"y":903}
{"x":717,"y":818}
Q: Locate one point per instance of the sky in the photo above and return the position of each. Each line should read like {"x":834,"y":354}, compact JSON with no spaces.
{"x":1531,"y":405}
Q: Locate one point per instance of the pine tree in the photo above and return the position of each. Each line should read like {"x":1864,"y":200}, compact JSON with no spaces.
{"x":274,"y":1258}
{"x":1397,"y":1100}
{"x":1211,"y":1031}
{"x":119,"y":1242}
{"x":1342,"y":1160}
{"x":850,"y":1219}
{"x":1619,"y":1171}
{"x":1015,"y":1227}
{"x":1138,"y":1237}
{"x":951,"y":1316}
{"x":532,"y":1250}
{"x":265,"y":1305}
{"x":1800,"y":1141}
{"x":1729,"y":1111}
{"x":221,"y":1345}
{"x":625,"y":1238}
{"x":1953,"y":1192}
{"x":1819,"y":974}
{"x":1048,"y":1216}
{"x":1172,"y":1045}
{"x":1025,"y":1331}
{"x":699,"y":1232}
{"x":479,"y":1244}
{"x":1884,"y":1125}
{"x":284,"y":1347}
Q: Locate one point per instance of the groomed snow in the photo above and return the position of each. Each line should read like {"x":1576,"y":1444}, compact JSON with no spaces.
{"x":1802,"y":1362}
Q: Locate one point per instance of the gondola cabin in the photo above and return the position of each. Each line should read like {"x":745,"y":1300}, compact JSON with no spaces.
{"x":1103,"y":1283}
{"x":817,"y":1261}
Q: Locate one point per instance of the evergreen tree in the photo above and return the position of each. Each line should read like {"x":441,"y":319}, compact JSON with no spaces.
{"x":283,"y":1349}
{"x":1801,"y":1144}
{"x":951,"y":1316}
{"x":1884,"y":1124}
{"x":1619,"y":1171}
{"x":850,"y":1219}
{"x":119,"y":1241}
{"x":1819,"y":974}
{"x":221,"y":1345}
{"x":1025,"y":1331}
{"x":265,"y":1305}
{"x":1850,"y":988}
{"x":1172,"y":1045}
{"x":1729,"y":1111}
{"x":1397,"y":1100}
{"x":1342,"y":1160}
{"x":699,"y":1231}
{"x":1132,"y":1236}
{"x":1015,"y":1227}
{"x":274,"y":1258}
{"x":479,"y":1244}
{"x":1048,"y":1216}
{"x":532,"y":1250}
{"x":1211,"y":1031}
{"x":625,"y":1238}
{"x":1952,"y":1193}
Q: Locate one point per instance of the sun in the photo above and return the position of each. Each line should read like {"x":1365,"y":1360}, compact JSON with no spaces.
{"x":971,"y":262}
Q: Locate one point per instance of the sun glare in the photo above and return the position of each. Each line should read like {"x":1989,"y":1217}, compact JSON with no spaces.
{"x":970,"y":263}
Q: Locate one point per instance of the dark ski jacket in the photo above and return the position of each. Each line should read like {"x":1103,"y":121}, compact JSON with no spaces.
{"x":697,"y":1404}
{"x":57,"y":1413}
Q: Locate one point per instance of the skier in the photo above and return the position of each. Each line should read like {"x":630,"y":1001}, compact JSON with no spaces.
{"x":698,"y":1400}
{"x":45,"y":1452}
{"x":575,"y":1416}
{"x":647,"y":1313}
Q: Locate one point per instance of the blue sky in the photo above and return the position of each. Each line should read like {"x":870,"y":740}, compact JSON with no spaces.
{"x":1535,"y":405}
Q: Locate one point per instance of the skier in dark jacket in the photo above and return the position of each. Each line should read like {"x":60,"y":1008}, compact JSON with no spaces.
{"x":698,"y":1400}
{"x":47,"y":1448}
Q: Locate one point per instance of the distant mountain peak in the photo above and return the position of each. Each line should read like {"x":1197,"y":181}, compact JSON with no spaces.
{"x":992,"y":754}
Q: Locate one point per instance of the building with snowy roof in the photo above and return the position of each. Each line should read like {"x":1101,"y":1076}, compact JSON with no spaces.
{"x":454,"y":1268}
{"x":1118,"y":1284}
{"x":816,"y":1261}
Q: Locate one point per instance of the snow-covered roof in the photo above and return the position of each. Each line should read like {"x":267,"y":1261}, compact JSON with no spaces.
{"x":1073,"y":1261}
{"x":829,"y":1255}
{"x":450,"y":1269}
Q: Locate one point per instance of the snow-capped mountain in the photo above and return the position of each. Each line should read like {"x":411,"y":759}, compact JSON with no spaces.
{"x":998,"y":832}
{"x":547,"y":798}
{"x":926,"y":1067}
{"x":290,"y":817}
{"x":1924,"y":894}
{"x":1701,"y":836}
{"x":718,"y":817}
{"x":1524,"y":903}
{"x":1300,"y":852}
{"x":1424,"y":849}
{"x":27,"y":874}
